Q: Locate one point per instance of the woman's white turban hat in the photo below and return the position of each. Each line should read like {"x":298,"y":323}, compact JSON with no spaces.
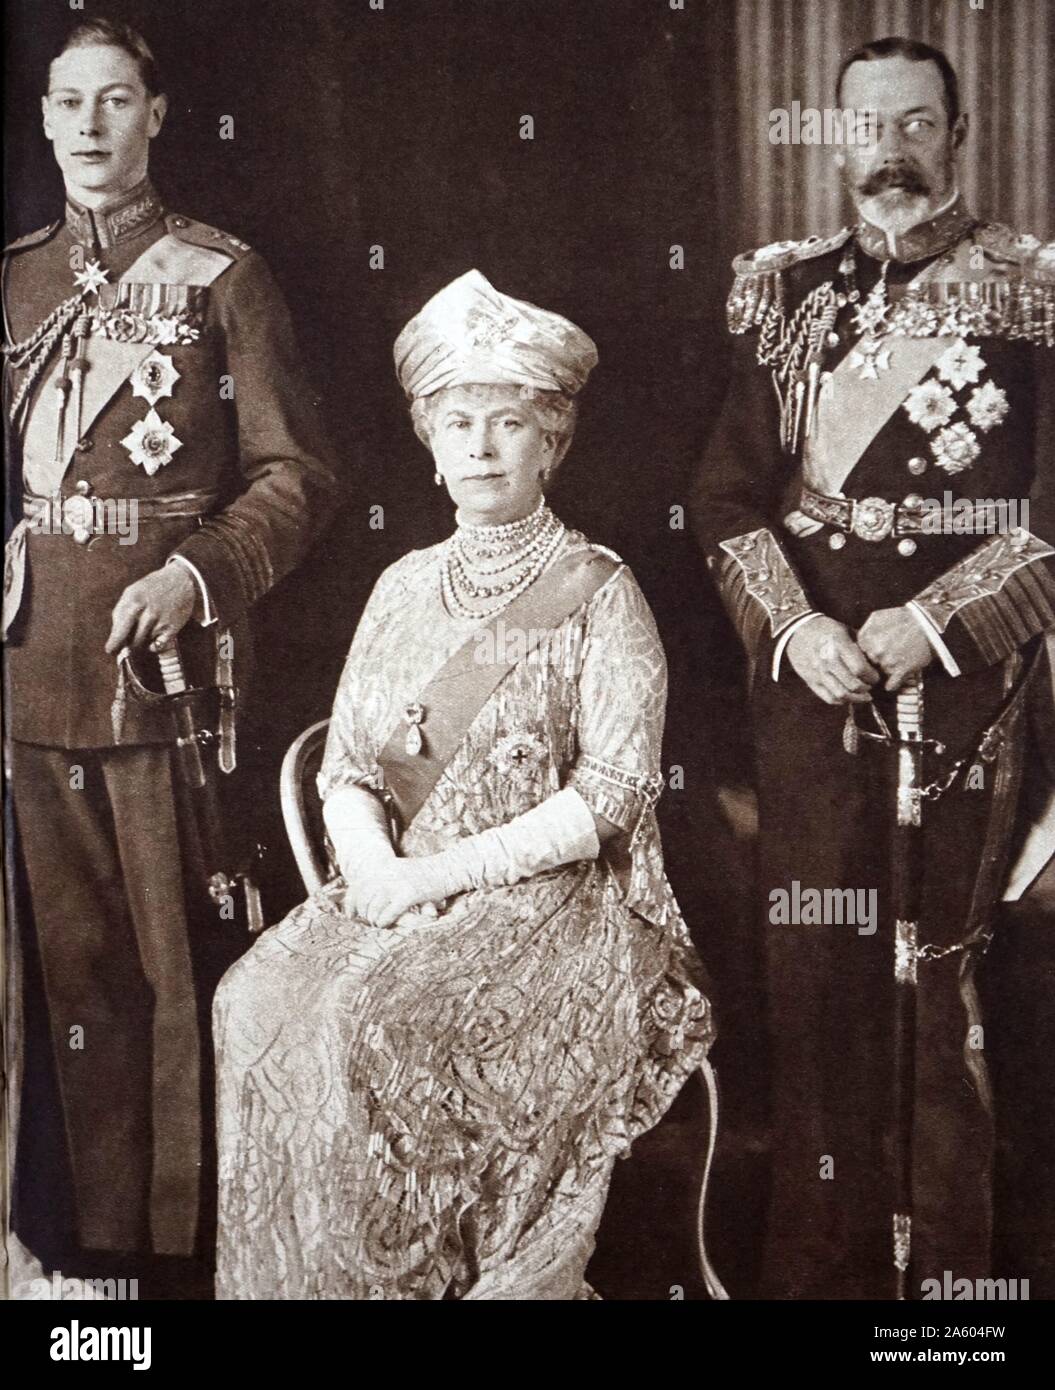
{"x":471,"y":333}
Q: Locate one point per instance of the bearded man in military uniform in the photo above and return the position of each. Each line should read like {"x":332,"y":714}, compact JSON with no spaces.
{"x":154,"y":395}
{"x":888,"y":377}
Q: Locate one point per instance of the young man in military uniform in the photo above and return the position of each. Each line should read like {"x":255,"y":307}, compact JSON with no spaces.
{"x":894,"y":363}
{"x":168,"y":468}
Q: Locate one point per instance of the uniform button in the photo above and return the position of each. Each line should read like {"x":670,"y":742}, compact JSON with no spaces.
{"x":906,"y":547}
{"x":86,"y":446}
{"x":917,"y":466}
{"x":179,"y":222}
{"x":913,"y":502}
{"x":83,"y":488}
{"x":837,"y":540}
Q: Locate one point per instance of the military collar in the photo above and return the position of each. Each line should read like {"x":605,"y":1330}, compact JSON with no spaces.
{"x":949,"y":225}
{"x":128,"y":215}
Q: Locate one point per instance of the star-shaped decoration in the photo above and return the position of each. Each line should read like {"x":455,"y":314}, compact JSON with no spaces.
{"x":154,"y":377}
{"x":870,"y":358}
{"x":151,"y":442}
{"x":870,"y":316}
{"x":955,"y":448}
{"x":987,"y":406}
{"x":930,"y":405}
{"x":89,"y":280}
{"x":961,"y":365}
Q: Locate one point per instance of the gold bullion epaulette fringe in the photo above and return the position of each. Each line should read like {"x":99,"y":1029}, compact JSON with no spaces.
{"x":1001,"y":285}
{"x":759,"y":283}
{"x":1003,"y":244}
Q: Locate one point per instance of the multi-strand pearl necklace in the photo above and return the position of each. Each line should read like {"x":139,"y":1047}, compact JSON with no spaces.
{"x":497,"y":563}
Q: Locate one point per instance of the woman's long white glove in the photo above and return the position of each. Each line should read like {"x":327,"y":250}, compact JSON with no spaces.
{"x":560,"y":830}
{"x":358,"y":829}
{"x":382,"y":886}
{"x":376,"y":887}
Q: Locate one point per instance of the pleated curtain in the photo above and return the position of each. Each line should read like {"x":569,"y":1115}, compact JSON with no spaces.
{"x":790,"y":50}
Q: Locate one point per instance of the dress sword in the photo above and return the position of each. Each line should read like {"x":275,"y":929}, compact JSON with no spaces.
{"x":907,"y":894}
{"x":179,"y":694}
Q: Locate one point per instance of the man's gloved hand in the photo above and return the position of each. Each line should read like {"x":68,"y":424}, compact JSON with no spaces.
{"x":893,"y":640}
{"x":824,"y":653}
{"x":154,"y":609}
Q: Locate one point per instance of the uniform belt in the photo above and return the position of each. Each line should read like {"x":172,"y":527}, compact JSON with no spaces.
{"x":874,"y":519}
{"x":87,"y":515}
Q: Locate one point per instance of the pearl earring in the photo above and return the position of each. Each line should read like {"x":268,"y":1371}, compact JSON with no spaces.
{"x":437,"y":478}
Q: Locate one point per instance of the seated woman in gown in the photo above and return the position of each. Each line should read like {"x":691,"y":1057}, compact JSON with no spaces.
{"x":427,"y":1070}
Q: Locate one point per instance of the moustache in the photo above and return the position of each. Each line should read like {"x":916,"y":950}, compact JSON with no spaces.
{"x":904,"y":176}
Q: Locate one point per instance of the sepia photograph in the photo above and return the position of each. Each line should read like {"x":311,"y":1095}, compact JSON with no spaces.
{"x":529,"y":665}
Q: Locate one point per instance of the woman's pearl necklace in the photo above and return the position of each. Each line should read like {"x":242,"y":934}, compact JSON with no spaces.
{"x":522,"y":549}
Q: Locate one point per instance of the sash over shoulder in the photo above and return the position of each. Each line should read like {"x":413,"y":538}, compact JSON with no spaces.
{"x":458,"y":691}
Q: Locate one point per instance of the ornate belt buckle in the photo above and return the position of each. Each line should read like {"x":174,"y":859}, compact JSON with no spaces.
{"x":873,"y":519}
{"x":78,"y":514}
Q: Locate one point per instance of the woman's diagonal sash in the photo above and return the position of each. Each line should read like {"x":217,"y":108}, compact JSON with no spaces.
{"x":469,"y":677}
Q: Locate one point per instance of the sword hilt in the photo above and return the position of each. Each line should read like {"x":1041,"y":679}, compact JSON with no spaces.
{"x":910,"y":750}
{"x":173,"y":676}
{"x":910,"y":710}
{"x":174,"y":679}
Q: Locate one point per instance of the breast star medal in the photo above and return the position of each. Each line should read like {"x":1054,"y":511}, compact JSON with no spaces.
{"x":154,"y":378}
{"x":151,"y":442}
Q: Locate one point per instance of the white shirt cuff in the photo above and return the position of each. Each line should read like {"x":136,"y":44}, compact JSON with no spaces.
{"x":206,"y":606}
{"x":934,"y":637}
{"x":786,"y":636}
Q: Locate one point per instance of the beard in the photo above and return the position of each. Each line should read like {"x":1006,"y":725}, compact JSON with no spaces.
{"x":897,"y":196}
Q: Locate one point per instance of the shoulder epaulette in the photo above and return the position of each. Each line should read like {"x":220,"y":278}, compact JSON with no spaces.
{"x":37,"y":238}
{"x":1002,"y":243}
{"x":1008,"y":291}
{"x":759,"y":283}
{"x":781,"y":255}
{"x":201,"y":234}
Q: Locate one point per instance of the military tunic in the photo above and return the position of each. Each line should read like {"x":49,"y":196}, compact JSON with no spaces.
{"x":152,"y":378}
{"x":877,"y":395}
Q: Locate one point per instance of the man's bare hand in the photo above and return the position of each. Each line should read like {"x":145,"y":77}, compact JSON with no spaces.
{"x":153,"y":609}
{"x":825,"y":655}
{"x":895,"y":642}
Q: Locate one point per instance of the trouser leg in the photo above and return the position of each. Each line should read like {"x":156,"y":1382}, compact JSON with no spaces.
{"x":103,"y":861}
{"x":142,"y":800}
{"x":97,"y":999}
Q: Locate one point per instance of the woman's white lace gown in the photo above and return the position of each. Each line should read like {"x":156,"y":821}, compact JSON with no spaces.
{"x":432,"y":1111}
